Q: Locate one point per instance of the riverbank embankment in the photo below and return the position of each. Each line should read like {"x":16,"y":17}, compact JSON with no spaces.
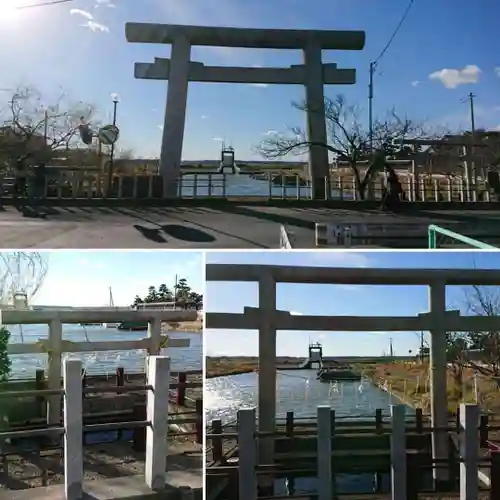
{"x":224,"y":366}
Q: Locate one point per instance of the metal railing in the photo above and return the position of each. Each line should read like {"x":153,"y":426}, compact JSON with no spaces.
{"x":157,"y":395}
{"x":434,"y":231}
{"x":406,"y":468}
{"x":264,"y":183}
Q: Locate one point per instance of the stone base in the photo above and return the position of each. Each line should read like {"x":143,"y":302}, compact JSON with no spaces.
{"x":180,"y":485}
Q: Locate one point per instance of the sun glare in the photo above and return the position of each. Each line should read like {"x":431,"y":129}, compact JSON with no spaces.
{"x":9,"y":9}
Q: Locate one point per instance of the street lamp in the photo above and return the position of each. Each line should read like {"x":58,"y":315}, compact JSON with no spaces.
{"x":116,"y":99}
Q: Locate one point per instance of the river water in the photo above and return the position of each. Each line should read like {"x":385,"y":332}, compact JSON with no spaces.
{"x":244,"y":185}
{"x":301,"y":392}
{"x":25,"y":365}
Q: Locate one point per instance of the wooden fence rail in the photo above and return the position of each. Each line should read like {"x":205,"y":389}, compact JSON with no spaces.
{"x":405,"y":469}
{"x":156,"y":424}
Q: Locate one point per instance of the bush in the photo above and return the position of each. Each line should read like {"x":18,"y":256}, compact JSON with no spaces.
{"x":5,"y":363}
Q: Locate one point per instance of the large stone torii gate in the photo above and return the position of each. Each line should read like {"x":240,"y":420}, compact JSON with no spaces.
{"x":267,"y":320}
{"x":179,"y":70}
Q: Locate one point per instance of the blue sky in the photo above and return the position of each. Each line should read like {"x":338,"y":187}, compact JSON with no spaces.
{"x":335,"y":300}
{"x":83,"y":278}
{"x":85,"y":53}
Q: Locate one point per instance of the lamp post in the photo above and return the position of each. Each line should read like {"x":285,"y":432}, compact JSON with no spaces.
{"x":116,"y":100}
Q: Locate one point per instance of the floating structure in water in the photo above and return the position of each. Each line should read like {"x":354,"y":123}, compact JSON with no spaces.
{"x":341,"y":374}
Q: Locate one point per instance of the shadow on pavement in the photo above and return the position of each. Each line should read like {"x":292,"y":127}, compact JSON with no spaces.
{"x":150,"y":234}
{"x":187,"y":234}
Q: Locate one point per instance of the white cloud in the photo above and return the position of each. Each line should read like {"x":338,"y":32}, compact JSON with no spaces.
{"x":91,"y":264}
{"x":271,"y":132}
{"x":160,"y":127}
{"x":341,"y":258}
{"x":83,"y":13}
{"x":217,"y":139}
{"x":497,"y":128}
{"x":497,"y":71}
{"x":93,"y":26}
{"x":452,"y":78}
{"x":204,"y":117}
{"x":415,"y":83}
{"x":104,"y":3}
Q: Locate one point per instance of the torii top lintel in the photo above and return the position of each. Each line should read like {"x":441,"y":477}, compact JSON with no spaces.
{"x":245,"y":37}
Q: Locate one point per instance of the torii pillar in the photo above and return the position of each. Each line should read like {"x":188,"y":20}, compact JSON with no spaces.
{"x":179,"y":70}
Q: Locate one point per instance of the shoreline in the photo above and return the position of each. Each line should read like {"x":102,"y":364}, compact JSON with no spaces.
{"x":225,"y":366}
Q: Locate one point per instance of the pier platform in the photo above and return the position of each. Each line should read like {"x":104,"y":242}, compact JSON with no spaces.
{"x":209,"y":224}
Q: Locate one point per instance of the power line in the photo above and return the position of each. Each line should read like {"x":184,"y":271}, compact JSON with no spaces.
{"x":396,"y":31}
{"x":373,"y":66}
{"x":41,"y":4}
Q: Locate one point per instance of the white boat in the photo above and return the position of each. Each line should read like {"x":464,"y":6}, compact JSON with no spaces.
{"x":111,"y":304}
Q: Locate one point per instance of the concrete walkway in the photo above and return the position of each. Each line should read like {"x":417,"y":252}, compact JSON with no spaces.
{"x":179,"y":486}
{"x":235,"y":226}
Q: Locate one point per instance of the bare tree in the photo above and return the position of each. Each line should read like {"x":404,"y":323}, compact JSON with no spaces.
{"x":484,"y":301}
{"x":33,"y":130}
{"x":348,"y":140}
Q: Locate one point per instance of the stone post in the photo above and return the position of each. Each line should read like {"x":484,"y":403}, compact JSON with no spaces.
{"x":175,"y":116}
{"x":54,"y":371}
{"x":73,"y":430}
{"x":439,"y":394}
{"x":158,"y":376}
{"x":247,"y":478}
{"x":154,"y":334}
{"x":267,"y":376}
{"x":398,"y":452}
{"x":469,"y":452}
{"x":316,"y":125}
{"x":324,"y":458}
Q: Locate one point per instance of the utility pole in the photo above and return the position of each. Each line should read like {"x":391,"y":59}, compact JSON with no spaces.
{"x":370,"y":105}
{"x":471,"y":167}
{"x":471,"y":98}
{"x":391,"y":350}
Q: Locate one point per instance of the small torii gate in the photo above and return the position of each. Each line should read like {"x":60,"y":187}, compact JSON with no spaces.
{"x":179,"y":70}
{"x":267,"y":320}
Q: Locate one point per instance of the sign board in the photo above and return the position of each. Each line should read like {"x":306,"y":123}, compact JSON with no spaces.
{"x":108,"y":134}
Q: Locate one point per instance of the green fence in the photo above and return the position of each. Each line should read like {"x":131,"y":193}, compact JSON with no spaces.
{"x":435,"y":231}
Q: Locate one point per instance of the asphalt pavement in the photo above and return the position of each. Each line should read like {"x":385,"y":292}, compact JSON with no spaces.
{"x":236,"y":226}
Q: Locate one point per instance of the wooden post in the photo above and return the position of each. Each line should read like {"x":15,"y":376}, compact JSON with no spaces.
{"x":324,"y":452}
{"x":157,"y":414}
{"x":73,"y":430}
{"x":469,"y":483}
{"x":483,"y":431}
{"x":247,"y":477}
{"x":40,"y":384}
{"x":181,"y":389}
{"x":289,"y":424}
{"x":54,"y":371}
{"x":217,"y":446}
{"x":199,"y":420}
{"x":495,"y":475}
{"x":398,"y":452}
{"x":139,"y":434}
{"x":120,"y":377}
{"x":419,"y":421}
{"x":379,"y":422}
